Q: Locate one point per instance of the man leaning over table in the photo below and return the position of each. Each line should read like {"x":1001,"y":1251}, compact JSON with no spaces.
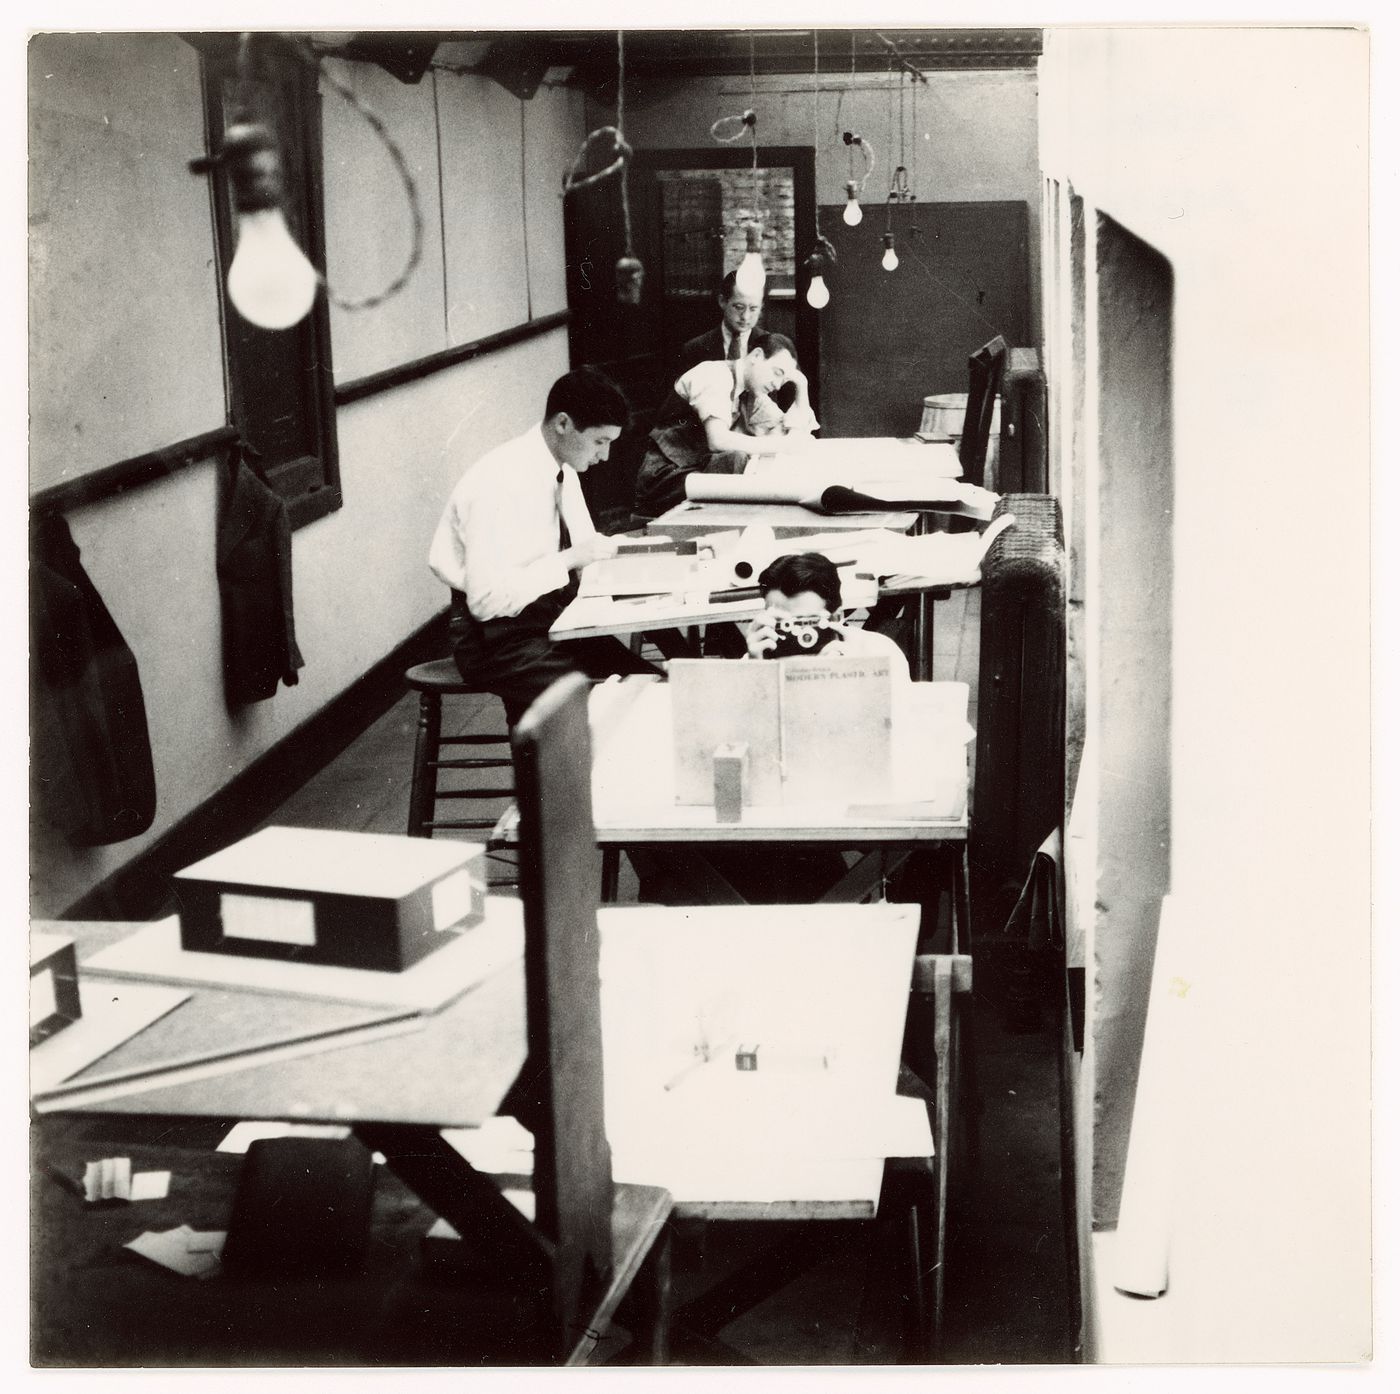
{"x":512,"y":538}
{"x":722,"y":412}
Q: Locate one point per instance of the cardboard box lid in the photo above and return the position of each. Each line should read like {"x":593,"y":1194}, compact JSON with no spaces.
{"x":384,"y":866}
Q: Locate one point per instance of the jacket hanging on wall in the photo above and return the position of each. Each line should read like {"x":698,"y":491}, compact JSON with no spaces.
{"x":255,"y":589}
{"x":92,"y":775}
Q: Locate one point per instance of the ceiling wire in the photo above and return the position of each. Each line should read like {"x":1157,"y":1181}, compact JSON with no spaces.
{"x":822,"y":244}
{"x":914,"y":136}
{"x":889,"y":108}
{"x":753,"y":128}
{"x":626,"y":206}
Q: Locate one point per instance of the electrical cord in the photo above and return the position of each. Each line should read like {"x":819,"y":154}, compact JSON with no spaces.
{"x":308,"y":55}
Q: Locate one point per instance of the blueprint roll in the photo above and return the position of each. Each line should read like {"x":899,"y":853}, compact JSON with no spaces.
{"x":1142,"y":1243}
{"x":756,"y":548}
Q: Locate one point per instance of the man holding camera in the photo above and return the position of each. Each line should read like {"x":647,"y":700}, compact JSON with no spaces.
{"x":802,"y":593}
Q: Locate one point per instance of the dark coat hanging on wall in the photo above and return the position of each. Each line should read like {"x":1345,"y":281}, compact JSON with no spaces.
{"x":90,"y":757}
{"x":255,"y":589}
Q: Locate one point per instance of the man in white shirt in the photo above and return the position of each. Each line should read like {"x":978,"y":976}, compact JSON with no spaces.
{"x":514,"y":533}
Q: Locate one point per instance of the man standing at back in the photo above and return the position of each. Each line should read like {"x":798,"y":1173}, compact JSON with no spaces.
{"x":515,"y":532}
{"x":730,"y":337}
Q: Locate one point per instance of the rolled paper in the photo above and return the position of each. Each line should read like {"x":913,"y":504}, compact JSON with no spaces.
{"x":757,"y":547}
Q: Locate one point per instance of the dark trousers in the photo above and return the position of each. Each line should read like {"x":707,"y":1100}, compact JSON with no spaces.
{"x":515,"y":658}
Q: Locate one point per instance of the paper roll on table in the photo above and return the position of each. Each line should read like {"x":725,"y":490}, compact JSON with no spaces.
{"x":821,"y":493}
{"x":755,"y":549}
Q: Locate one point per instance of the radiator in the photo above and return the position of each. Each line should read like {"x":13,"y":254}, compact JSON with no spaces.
{"x":1018,"y":792}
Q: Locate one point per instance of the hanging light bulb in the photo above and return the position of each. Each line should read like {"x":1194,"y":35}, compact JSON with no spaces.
{"x":628,"y":273}
{"x":818,"y":296}
{"x":852,"y":215}
{"x":750,"y":278}
{"x":889,"y":261}
{"x":270,"y":281}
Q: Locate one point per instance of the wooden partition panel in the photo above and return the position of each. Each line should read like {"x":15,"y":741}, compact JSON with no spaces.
{"x":563,"y":1081}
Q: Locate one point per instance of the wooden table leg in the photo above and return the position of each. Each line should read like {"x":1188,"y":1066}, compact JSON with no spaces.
{"x":962,"y":901}
{"x":612,"y":865}
{"x":871,"y":871}
{"x":687,"y":872}
{"x":943,"y":1044}
{"x":969,"y":1088}
{"x":425,"y":753}
{"x":651,"y":1300}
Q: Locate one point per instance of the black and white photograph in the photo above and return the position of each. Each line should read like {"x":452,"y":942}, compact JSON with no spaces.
{"x":702,"y":691}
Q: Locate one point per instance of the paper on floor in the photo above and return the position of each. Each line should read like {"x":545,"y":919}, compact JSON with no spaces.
{"x":150,"y":1185}
{"x":109,"y":1179}
{"x":500,"y":1144}
{"x":191,"y":1253}
{"x":238,"y":1138}
{"x":112,"y":1179}
{"x":241,"y":1135}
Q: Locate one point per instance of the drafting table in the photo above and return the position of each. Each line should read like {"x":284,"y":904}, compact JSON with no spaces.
{"x":634,"y":808}
{"x":955,"y":566}
{"x":788,"y":520}
{"x":396,"y":1093}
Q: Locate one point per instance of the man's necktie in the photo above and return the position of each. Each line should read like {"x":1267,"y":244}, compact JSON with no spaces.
{"x":733,"y":347}
{"x":559,"y":509}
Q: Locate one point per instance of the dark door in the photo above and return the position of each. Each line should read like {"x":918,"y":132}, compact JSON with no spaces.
{"x":687,"y":209}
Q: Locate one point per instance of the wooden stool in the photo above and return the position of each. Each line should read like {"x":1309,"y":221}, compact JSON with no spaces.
{"x":434,"y":681}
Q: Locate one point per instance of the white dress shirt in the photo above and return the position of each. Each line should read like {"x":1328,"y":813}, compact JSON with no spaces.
{"x":498,"y":538}
{"x":713,"y":391}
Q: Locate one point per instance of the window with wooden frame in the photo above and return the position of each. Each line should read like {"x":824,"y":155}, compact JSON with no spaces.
{"x":280,"y":386}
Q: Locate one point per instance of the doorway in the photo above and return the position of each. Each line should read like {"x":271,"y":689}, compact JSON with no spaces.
{"x":688,"y":211}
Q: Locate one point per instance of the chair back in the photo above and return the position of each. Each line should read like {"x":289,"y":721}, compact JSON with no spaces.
{"x":984,"y":370}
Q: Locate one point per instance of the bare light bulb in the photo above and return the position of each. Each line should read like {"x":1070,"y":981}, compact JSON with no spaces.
{"x":270,"y":282}
{"x":818,"y":296}
{"x":750,"y":278}
{"x":852,"y":215}
{"x":889,"y":261}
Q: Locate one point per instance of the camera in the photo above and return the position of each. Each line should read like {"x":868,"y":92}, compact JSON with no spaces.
{"x":802,"y":637}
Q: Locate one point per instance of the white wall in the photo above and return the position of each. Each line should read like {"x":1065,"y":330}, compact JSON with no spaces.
{"x":117,"y":220}
{"x":1240,"y":155}
{"x":360,"y":577}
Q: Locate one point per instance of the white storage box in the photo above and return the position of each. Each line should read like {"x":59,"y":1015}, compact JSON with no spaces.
{"x":356,"y":900}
